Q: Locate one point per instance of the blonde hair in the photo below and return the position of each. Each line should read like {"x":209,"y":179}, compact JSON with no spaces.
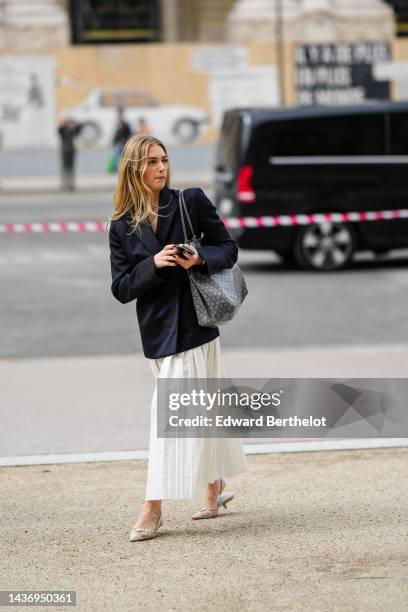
{"x":132,"y":194}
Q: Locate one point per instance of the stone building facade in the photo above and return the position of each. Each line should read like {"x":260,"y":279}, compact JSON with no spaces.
{"x":310,"y":20}
{"x":32,"y":25}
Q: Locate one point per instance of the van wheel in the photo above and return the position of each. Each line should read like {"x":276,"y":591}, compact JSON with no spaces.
{"x":186,"y":131}
{"x":325,"y":246}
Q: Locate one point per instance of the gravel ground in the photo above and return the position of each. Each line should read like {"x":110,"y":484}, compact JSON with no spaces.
{"x":311,"y":531}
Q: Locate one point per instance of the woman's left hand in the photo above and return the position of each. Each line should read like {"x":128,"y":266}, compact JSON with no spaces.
{"x":191,"y":260}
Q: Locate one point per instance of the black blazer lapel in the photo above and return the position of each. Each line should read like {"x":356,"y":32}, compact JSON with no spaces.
{"x":168,"y":208}
{"x":148,"y":237}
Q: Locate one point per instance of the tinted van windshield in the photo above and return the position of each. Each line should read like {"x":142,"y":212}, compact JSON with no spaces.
{"x":342,"y":135}
{"x":228,"y":145}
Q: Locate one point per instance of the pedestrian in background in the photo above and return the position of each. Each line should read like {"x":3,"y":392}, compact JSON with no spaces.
{"x":146,"y":266}
{"x":122,"y":134}
{"x":143,"y":126}
{"x":68,"y":130}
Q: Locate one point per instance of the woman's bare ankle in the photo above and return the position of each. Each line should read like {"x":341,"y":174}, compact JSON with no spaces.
{"x":150,"y":514}
{"x":152,"y":506}
{"x":213,"y":488}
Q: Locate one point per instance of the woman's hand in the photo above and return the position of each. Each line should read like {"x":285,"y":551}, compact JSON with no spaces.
{"x":191,"y":260}
{"x":165,"y":257}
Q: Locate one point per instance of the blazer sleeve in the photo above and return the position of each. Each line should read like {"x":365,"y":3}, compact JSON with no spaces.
{"x":219,"y":250}
{"x":129,"y":283}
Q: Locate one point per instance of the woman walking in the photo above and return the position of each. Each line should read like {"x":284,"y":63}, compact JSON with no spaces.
{"x":144,"y":229}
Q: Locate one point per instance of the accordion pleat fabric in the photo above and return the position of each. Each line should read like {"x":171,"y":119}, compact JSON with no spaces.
{"x":180,"y":468}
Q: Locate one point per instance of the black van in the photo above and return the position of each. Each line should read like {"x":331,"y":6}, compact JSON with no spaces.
{"x":315,"y":184}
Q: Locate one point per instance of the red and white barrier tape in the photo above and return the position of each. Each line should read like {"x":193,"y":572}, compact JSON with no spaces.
{"x":231,"y":222}
{"x":287,"y":220}
{"x":40,"y":228}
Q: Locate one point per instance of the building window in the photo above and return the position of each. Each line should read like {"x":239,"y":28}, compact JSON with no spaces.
{"x":114,"y":21}
{"x":401,"y":15}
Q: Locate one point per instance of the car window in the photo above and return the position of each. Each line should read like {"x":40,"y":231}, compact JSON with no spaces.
{"x":399,"y":133}
{"x":110,"y":100}
{"x":138,"y":100}
{"x":322,"y":136}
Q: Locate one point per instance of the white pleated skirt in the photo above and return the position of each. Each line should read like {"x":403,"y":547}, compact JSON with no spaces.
{"x":179,"y":468}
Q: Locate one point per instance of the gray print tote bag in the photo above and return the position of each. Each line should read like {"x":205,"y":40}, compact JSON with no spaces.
{"x":217,"y":296}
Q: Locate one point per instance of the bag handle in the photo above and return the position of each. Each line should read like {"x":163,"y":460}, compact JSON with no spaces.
{"x":183,"y":214}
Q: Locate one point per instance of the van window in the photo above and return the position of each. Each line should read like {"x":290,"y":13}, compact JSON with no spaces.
{"x":228,"y":145}
{"x":342,"y":135}
{"x":399,"y":133}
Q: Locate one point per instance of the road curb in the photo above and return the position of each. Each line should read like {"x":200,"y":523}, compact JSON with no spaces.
{"x":249,"y":449}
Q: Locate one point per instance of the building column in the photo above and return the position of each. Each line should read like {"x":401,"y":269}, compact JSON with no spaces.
{"x":170,"y":20}
{"x":255,"y":20}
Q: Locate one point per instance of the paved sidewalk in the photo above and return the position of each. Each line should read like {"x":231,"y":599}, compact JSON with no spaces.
{"x":306,"y":532}
{"x":71,"y":404}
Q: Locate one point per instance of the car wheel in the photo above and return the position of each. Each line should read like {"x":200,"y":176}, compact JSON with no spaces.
{"x":89,"y":134}
{"x":325,"y":246}
{"x":186,"y":130}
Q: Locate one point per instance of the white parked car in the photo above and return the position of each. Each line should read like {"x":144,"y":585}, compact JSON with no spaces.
{"x":173,"y":123}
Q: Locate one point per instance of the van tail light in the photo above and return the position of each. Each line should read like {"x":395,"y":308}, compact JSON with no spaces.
{"x":245,"y":191}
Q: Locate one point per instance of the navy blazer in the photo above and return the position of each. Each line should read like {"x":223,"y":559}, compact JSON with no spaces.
{"x":164,"y":304}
